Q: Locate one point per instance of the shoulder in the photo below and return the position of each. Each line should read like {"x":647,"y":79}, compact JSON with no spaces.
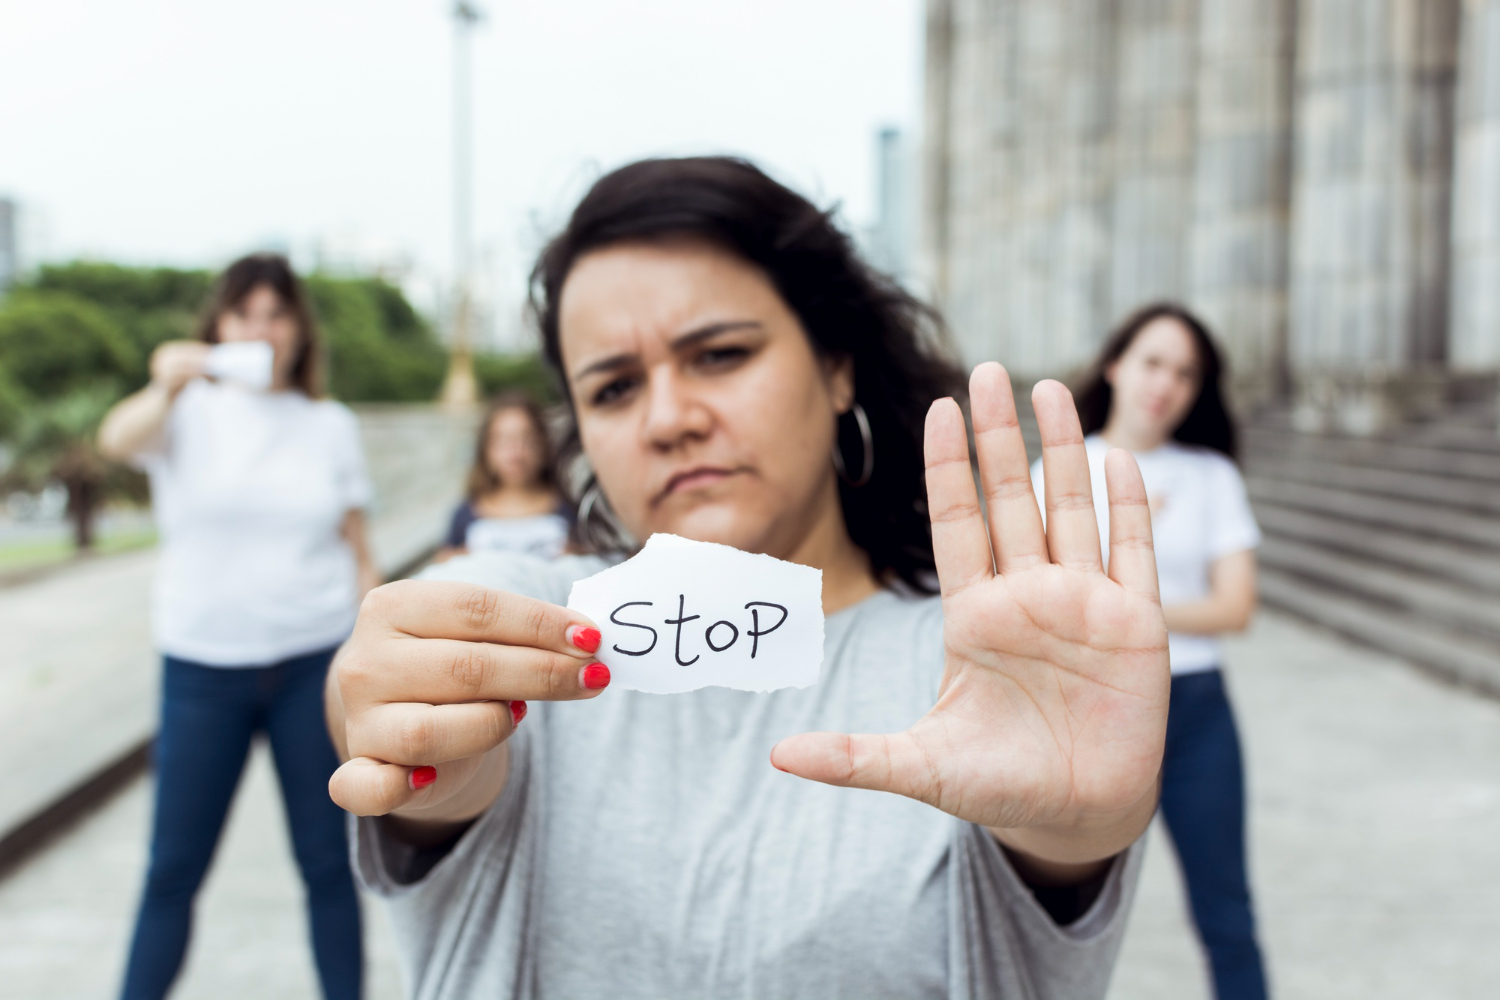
{"x":517,"y":572}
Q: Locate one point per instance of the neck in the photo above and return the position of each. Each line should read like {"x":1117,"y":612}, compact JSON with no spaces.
{"x":1117,"y":434}
{"x":847,"y":578}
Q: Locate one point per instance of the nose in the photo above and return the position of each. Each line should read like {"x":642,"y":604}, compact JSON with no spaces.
{"x":674,"y":416}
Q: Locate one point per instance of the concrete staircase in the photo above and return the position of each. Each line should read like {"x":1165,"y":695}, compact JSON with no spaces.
{"x":1392,"y":541}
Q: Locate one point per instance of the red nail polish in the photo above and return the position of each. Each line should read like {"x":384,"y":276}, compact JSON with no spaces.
{"x":422,"y":776}
{"x":517,"y":712}
{"x":586,"y":639}
{"x":595,"y":676}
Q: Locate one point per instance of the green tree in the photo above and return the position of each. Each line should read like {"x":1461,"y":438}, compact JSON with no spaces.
{"x":54,"y":441}
{"x":54,"y":342}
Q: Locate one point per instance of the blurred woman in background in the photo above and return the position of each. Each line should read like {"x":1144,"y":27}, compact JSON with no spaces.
{"x":1155,"y":390}
{"x":513,"y":503}
{"x":259,"y":490}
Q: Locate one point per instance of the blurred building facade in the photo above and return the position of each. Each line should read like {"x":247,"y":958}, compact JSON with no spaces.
{"x":1320,"y":179}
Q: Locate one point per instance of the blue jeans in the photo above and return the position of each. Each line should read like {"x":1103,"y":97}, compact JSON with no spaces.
{"x":208,"y":717}
{"x":1203,"y":803}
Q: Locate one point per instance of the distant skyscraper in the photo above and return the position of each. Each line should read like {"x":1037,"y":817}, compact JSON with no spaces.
{"x":890,"y":238}
{"x":9,"y":264}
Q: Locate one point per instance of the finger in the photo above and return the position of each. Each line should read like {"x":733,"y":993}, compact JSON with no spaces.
{"x":367,"y":787}
{"x":448,"y":609}
{"x":1132,"y":559}
{"x":893,"y":763}
{"x":1014,"y":521}
{"x":960,"y":546}
{"x":1072,"y":531}
{"x":449,"y":671}
{"x":412,"y":734}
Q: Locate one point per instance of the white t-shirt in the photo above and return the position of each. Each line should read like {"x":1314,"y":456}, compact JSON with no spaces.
{"x":1199,"y":513}
{"x":542,"y":535}
{"x":250,"y":490}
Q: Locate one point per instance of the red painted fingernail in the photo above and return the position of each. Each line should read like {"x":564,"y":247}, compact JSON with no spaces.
{"x":586,"y":639}
{"x":422,"y":776}
{"x":517,"y":712}
{"x":595,"y":676}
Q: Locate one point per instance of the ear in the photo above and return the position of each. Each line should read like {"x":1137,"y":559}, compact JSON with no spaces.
{"x":1109,"y":373}
{"x":838,"y":376}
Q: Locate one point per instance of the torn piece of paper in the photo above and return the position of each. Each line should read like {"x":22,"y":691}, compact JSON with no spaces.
{"x":682,"y":615}
{"x":248,"y":362}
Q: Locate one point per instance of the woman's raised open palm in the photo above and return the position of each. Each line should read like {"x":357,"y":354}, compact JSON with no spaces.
{"x":1053,"y":707}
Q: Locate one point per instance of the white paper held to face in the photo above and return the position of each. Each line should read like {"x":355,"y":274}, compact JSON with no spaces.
{"x":682,"y":615}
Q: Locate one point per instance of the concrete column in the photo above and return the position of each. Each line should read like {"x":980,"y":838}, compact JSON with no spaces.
{"x":937,"y":71}
{"x":1018,"y":185}
{"x":1242,"y":187}
{"x":1370,"y":213}
{"x":977,"y":185}
{"x":1474,"y":331}
{"x":1154,"y":149}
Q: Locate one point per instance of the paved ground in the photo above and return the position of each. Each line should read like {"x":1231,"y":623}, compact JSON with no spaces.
{"x":1376,"y":815}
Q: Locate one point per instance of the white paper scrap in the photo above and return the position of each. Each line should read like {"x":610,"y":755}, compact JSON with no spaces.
{"x":681,"y":615}
{"x":247,"y":362}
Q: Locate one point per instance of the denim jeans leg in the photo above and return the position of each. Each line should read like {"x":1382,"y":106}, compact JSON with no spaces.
{"x":305,"y":760}
{"x":207,"y":718}
{"x":1203,"y":803}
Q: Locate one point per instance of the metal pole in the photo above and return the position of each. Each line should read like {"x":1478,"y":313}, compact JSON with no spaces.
{"x":460,"y":390}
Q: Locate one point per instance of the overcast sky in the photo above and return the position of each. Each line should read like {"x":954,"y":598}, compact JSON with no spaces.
{"x":185,"y":132}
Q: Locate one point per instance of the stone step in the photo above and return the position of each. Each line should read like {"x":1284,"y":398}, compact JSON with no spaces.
{"x":1434,"y":601}
{"x":1467,"y":565}
{"x":1262,"y":441}
{"x":1438,"y":490}
{"x":1414,"y":518}
{"x":1432,"y":647}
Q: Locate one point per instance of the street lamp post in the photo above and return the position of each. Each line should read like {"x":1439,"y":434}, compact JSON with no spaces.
{"x":460,"y":391}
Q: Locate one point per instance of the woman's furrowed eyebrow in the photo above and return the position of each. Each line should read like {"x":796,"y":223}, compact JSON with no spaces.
{"x":616,"y":361}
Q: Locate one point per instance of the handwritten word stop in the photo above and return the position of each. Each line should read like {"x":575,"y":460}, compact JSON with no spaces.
{"x":682,"y":615}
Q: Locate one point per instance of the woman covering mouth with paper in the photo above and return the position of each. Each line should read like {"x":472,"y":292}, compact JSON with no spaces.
{"x":720,"y":344}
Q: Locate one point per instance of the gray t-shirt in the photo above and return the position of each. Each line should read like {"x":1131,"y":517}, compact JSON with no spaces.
{"x":645,"y":847}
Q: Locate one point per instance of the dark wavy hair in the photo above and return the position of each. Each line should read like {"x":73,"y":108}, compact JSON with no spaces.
{"x":1207,"y":424}
{"x":895,"y":343}
{"x":272,"y":270}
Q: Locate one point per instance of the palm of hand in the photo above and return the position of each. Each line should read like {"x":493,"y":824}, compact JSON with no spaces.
{"x":1051,"y":702}
{"x":1052,"y":710}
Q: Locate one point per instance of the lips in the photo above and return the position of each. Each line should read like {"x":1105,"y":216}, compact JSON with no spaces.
{"x":695,"y":478}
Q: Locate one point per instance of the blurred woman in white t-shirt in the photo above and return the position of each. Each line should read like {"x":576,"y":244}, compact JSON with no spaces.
{"x":259,"y":490}
{"x":1155,"y":390}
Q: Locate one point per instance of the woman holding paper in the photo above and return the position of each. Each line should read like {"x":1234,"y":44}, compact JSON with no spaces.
{"x":735,"y":374}
{"x":259,"y":489}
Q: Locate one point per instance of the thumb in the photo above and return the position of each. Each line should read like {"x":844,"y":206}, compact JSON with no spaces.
{"x":893,"y":763}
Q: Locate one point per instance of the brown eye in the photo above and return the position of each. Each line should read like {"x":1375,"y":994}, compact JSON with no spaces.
{"x":723,"y":357}
{"x":612,"y":391}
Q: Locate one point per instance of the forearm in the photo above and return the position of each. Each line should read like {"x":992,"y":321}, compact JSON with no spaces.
{"x":134,"y":422}
{"x":1210,"y":616}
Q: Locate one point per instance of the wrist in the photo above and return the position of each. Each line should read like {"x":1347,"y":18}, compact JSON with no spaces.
{"x":1067,"y":851}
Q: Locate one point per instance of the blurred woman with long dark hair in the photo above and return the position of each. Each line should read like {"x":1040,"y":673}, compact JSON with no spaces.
{"x":1156,"y":391}
{"x":259,"y":490}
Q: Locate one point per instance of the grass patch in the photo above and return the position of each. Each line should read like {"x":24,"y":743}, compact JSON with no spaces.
{"x":51,"y":551}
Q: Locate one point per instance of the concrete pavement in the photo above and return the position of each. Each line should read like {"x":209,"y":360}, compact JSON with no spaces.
{"x":1374,"y":824}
